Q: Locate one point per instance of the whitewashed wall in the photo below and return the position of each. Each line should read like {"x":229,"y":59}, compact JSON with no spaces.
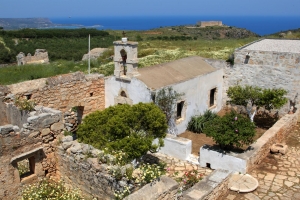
{"x":136,"y":90}
{"x":196,"y":95}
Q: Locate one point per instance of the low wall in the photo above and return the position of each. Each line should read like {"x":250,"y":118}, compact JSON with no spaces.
{"x":79,"y":166}
{"x":177,"y":147}
{"x":210,"y":188}
{"x":246,"y":161}
{"x":163,"y":189}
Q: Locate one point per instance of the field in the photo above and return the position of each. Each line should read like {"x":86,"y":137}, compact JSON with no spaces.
{"x":66,"y":48}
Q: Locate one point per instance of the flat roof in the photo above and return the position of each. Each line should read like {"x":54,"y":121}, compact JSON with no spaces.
{"x":166,"y":74}
{"x":278,"y":45}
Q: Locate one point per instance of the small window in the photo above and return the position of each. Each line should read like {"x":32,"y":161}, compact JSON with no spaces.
{"x":28,"y":96}
{"x":212,"y":97}
{"x":247,"y":59}
{"x":26,"y":167}
{"x":91,"y":94}
{"x":179,"y":109}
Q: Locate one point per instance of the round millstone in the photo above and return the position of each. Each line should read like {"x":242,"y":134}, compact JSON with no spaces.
{"x":242,"y":183}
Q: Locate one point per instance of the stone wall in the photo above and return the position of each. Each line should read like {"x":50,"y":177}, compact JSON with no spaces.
{"x":34,"y":143}
{"x":163,"y":189}
{"x":276,"y":134}
{"x":40,"y":56}
{"x":80,"y":165}
{"x":266,"y":69}
{"x":64,"y":92}
{"x":210,"y":188}
{"x":272,"y":58}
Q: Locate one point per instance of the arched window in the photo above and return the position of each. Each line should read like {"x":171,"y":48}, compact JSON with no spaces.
{"x":123,"y":94}
{"x":124,"y":58}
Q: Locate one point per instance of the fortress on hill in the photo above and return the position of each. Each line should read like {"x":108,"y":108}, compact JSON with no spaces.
{"x":209,"y":23}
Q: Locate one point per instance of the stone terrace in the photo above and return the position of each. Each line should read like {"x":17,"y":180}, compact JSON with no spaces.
{"x":278,"y":175}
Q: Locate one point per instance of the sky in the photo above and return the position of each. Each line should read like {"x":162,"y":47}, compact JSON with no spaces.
{"x":95,"y":8}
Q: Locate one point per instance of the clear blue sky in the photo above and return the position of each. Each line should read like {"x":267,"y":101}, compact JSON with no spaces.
{"x":90,"y":8}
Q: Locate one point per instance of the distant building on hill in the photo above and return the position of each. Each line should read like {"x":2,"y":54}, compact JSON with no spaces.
{"x":209,"y":23}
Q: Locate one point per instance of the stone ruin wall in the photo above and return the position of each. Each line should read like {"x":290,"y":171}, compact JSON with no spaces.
{"x":80,"y":166}
{"x":276,"y":134}
{"x":64,"y":92}
{"x":210,"y":23}
{"x":267,"y":70}
{"x":34,"y":142}
{"x":40,"y":56}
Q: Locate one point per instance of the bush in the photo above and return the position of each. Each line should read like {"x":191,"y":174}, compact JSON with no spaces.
{"x":49,"y":189}
{"x":231,"y":130}
{"x":197,"y":123}
{"x":24,"y":104}
{"x":126,"y":128}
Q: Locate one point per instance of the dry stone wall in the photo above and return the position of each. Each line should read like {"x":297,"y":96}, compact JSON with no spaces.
{"x":34,"y":142}
{"x":80,"y":165}
{"x":63,"y":92}
{"x":276,"y":134}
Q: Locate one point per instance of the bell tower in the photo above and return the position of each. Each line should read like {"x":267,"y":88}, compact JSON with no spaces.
{"x":125,"y":58}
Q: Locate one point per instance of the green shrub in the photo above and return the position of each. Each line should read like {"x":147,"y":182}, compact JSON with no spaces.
{"x":231,"y":130}
{"x":253,"y":98}
{"x":197,"y":123}
{"x":126,"y":128}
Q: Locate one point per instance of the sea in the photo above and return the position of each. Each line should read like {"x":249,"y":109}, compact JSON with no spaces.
{"x":262,"y":25}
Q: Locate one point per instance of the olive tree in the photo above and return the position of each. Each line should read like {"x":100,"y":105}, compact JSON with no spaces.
{"x":252,"y":98}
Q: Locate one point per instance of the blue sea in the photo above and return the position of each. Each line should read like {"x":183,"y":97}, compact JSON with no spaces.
{"x":262,"y":25}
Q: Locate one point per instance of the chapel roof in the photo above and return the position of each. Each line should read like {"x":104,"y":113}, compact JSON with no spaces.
{"x":166,"y":74}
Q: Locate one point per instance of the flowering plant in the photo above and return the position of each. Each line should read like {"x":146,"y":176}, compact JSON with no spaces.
{"x":50,"y":189}
{"x":188,"y":179}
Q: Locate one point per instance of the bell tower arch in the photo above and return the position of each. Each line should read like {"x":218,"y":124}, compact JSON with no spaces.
{"x":125,"y":59}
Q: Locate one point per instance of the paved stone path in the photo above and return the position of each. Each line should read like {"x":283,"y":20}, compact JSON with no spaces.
{"x":278,"y":175}
{"x":176,"y":165}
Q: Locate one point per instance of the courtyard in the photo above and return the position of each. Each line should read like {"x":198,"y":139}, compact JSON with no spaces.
{"x":278,"y":175}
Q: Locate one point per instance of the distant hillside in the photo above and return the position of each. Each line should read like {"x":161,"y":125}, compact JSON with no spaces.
{"x":19,"y":23}
{"x":190,"y":32}
{"x":289,"y":34}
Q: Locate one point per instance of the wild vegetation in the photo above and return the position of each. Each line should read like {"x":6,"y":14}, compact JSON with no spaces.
{"x":66,"y":47}
{"x":50,"y":189}
{"x":252,"y":98}
{"x":197,"y":123}
{"x":231,"y":130}
{"x":130,"y":129}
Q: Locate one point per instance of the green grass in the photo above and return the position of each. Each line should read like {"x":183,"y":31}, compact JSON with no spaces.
{"x":15,"y":74}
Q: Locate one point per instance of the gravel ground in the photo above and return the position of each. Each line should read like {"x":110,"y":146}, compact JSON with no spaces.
{"x":276,"y":45}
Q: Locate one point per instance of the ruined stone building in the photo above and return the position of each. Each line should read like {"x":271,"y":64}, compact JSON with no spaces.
{"x":40,"y":56}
